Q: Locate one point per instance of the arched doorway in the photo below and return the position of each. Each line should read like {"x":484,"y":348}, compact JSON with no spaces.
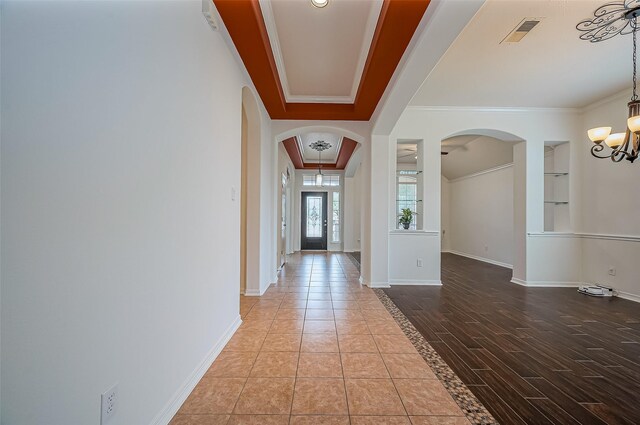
{"x":250,"y":196}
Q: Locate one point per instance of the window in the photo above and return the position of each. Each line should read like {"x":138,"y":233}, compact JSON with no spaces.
{"x":407,"y":196}
{"x":314,"y":216}
{"x":327,"y":180}
{"x":335,"y":217}
{"x":409,"y":184}
{"x":331,"y":180}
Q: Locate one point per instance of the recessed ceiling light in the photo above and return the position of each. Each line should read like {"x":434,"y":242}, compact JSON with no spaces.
{"x":319,"y":3}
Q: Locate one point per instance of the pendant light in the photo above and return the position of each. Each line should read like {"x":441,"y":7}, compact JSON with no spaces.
{"x":319,"y":146}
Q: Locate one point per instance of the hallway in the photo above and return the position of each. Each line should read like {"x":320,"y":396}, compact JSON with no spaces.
{"x":319,"y":348}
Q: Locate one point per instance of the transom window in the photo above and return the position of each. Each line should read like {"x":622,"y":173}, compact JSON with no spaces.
{"x":327,"y":180}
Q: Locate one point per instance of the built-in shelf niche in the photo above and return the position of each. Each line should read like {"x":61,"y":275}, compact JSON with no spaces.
{"x":556,"y":187}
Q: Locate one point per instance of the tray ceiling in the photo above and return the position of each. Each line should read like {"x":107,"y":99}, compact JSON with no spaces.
{"x":335,"y":158}
{"x":330,"y":63}
{"x":320,"y":53}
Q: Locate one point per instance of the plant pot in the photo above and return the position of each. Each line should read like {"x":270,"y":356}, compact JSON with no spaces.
{"x":406,"y":226}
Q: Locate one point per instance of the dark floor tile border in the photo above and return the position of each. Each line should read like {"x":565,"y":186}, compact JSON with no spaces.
{"x":470,"y":405}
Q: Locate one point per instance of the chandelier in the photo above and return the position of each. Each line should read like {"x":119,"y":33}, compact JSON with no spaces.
{"x":610,"y":20}
{"x":319,"y":146}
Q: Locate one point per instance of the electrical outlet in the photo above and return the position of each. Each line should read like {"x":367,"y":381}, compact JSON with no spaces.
{"x":419,"y":262}
{"x":612,"y":271}
{"x":108,"y":403}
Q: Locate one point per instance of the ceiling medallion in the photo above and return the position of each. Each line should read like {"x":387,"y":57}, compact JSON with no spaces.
{"x":319,"y":146}
{"x":610,"y":20}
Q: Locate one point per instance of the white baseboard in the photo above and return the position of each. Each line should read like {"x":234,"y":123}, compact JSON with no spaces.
{"x":378,"y":285}
{"x":256,"y":292}
{"x":437,"y":282}
{"x":628,"y":296}
{"x":172,"y":407}
{"x":545,"y":284}
{"x":486,"y":260}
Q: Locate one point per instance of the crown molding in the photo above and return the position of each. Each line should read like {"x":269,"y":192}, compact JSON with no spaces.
{"x":604,"y":101}
{"x":604,"y":236}
{"x":480,"y":173}
{"x":490,"y":109}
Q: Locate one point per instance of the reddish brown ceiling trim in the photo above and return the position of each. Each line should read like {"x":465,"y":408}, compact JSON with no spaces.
{"x":243,"y":19}
{"x":291,"y":146}
{"x":346,"y":150}
{"x":396,"y":25}
{"x":325,"y":166}
{"x":344,"y":155}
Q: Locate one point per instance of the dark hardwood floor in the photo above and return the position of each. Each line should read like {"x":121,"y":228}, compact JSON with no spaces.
{"x":531,"y":355}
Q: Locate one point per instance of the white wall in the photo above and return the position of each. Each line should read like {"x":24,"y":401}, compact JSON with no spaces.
{"x":445,"y":213}
{"x":535,"y":126}
{"x":610,"y":205}
{"x":285,"y":166}
{"x":120,"y":145}
{"x":481,"y":215}
{"x":352,"y":211}
{"x":269,"y":219}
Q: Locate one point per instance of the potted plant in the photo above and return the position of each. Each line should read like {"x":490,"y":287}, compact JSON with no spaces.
{"x":406,"y":217}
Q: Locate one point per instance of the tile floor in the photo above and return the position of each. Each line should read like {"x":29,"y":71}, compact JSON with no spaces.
{"x":319,"y":348}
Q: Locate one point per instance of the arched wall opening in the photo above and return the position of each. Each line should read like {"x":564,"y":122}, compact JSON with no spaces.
{"x":539,"y":259}
{"x":250,"y":195}
{"x":477,"y":195}
{"x":346,"y":197}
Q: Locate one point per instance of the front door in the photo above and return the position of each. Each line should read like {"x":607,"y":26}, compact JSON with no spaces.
{"x":314,"y":220}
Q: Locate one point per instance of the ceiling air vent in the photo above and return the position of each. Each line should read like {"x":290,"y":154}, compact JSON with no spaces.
{"x":521,"y":30}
